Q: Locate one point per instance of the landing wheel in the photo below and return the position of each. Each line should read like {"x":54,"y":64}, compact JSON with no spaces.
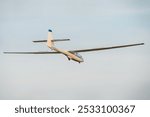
{"x":69,"y":59}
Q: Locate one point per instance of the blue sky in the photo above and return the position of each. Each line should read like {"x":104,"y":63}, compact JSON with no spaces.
{"x":114,"y":74}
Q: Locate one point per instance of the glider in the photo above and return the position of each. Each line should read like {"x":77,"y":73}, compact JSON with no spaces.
{"x":71,"y":55}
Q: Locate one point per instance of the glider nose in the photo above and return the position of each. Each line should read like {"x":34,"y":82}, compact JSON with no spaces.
{"x":82,"y":60}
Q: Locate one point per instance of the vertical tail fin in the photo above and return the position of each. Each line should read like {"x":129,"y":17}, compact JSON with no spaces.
{"x":50,"y":38}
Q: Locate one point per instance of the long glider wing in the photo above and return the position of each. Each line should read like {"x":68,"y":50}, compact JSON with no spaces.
{"x":46,"y":52}
{"x":106,"y":48}
{"x":82,"y":50}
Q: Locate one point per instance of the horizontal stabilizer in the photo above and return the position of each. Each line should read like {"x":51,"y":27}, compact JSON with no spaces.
{"x":60,"y":40}
{"x":38,"y":41}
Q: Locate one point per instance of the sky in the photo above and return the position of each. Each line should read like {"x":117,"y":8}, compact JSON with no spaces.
{"x":119,"y":74}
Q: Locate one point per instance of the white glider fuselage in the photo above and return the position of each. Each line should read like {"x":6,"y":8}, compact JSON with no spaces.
{"x":70,"y":55}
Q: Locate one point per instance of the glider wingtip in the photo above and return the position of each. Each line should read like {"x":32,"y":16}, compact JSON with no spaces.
{"x":5,"y":52}
{"x":142,"y":43}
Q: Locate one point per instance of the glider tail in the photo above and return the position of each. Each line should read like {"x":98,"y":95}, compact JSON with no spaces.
{"x":50,"y":38}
